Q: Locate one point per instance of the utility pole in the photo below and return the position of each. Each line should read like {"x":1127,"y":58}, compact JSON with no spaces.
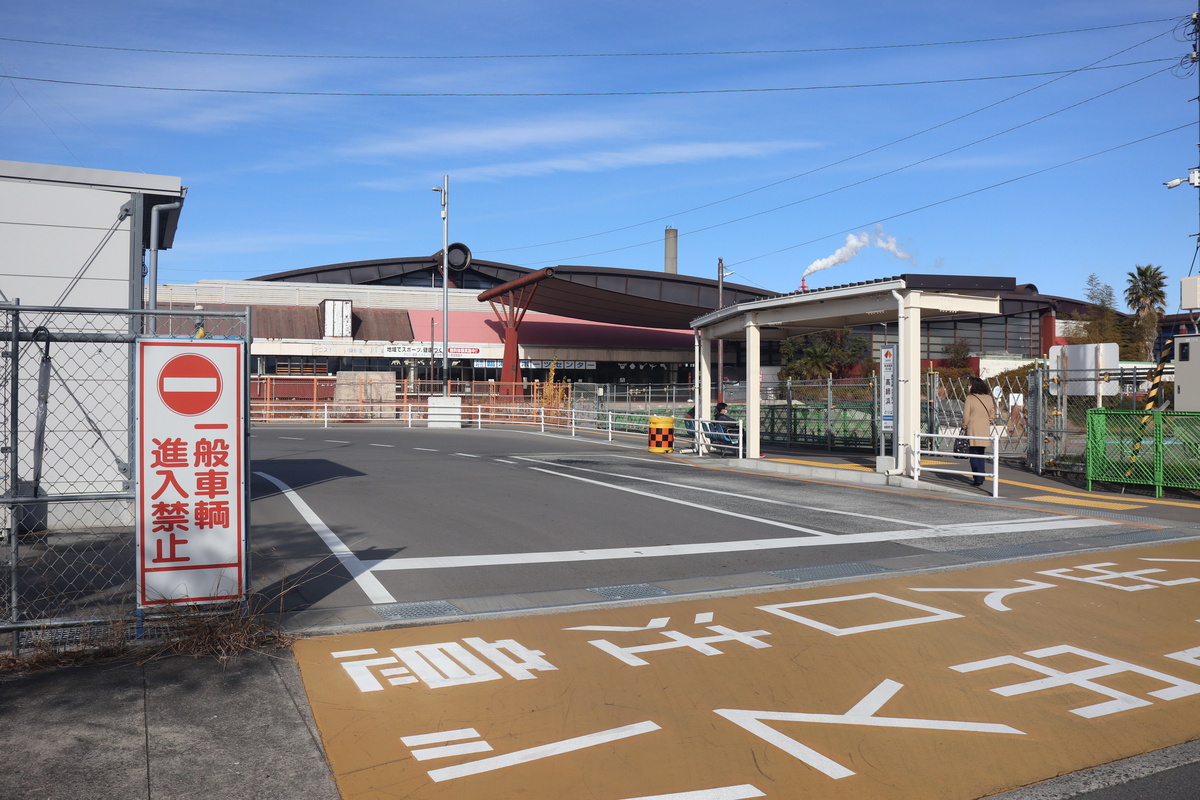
{"x":444,"y":189}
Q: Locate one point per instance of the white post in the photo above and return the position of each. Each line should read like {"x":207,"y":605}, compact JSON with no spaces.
{"x":908,"y":390}
{"x":995,"y":463}
{"x":753,"y":426}
{"x":917,"y":460}
{"x":703,"y":374}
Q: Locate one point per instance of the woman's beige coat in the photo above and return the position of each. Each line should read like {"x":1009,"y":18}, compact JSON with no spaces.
{"x":978,"y":413}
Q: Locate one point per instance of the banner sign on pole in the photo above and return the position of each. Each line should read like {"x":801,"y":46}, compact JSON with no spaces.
{"x":887,"y":387}
{"x":191,"y":482}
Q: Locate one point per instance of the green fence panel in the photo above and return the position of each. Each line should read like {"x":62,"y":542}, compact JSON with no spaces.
{"x":1151,"y":448}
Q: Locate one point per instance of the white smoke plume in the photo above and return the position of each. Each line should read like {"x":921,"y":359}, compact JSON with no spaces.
{"x":856,"y":242}
{"x":888,"y":243}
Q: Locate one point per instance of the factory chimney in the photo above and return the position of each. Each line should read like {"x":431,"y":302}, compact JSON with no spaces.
{"x":671,"y":251}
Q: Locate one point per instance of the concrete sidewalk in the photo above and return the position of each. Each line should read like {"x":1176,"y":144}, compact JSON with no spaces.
{"x":179,"y":727}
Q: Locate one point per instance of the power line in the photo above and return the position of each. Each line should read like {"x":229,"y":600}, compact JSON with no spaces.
{"x":587,"y":55}
{"x":288,"y":93}
{"x":934,"y":204}
{"x":838,"y":162}
{"x":876,"y":176}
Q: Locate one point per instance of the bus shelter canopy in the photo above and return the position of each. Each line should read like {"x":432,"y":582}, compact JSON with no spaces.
{"x":905,"y":300}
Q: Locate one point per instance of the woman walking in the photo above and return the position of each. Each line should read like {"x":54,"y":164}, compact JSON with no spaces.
{"x":978,"y":413}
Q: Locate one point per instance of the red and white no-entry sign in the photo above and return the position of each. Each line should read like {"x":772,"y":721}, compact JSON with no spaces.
{"x":191,"y":488}
{"x":189,"y":384}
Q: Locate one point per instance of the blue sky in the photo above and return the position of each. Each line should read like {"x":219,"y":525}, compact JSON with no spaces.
{"x":644,"y":118}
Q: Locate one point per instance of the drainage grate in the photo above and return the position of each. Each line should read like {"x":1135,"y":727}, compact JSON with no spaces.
{"x":1122,"y":517}
{"x":1006,"y":551}
{"x":432,"y":608}
{"x":823,"y":571}
{"x":1148,"y":536}
{"x":630,"y":591}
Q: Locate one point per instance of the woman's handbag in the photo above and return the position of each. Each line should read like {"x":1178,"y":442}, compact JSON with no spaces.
{"x":961,"y":446}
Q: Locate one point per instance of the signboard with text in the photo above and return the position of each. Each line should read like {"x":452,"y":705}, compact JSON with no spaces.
{"x":191,"y":481}
{"x":887,"y":387}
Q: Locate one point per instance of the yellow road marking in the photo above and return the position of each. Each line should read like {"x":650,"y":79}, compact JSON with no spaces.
{"x":906,"y":687}
{"x":1142,"y":500}
{"x":1079,"y":501}
{"x":857,"y":467}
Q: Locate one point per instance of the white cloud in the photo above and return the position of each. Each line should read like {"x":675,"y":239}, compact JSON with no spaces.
{"x":610,"y":160}
{"x":494,"y":137}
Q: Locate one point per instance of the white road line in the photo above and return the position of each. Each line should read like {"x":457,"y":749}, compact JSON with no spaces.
{"x":372,"y":444}
{"x":706,"y":548}
{"x":711,"y":509}
{"x":427,"y":449}
{"x":465,"y":455}
{"x":743,"y":791}
{"x":441,"y":737}
{"x":336,"y":441}
{"x":542,"y":751}
{"x":293,"y":438}
{"x":505,"y":461}
{"x":724,"y":493}
{"x":358,"y":570}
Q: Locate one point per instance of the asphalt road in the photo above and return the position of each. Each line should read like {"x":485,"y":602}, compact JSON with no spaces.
{"x":426,"y":515}
{"x":354,"y":521}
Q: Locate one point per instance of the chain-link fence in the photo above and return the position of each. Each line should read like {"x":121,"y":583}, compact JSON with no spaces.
{"x":67,"y":442}
{"x":1059,"y":403}
{"x":830,"y":414}
{"x":1155,"y":448}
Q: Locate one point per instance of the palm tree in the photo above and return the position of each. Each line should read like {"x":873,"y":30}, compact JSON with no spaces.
{"x":1146,"y":294}
{"x":817,"y":361}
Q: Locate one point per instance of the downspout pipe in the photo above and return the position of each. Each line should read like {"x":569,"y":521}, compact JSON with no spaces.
{"x":153,"y":272}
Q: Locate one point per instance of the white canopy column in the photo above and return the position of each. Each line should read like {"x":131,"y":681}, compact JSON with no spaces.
{"x":908,"y":390}
{"x":703,"y":373}
{"x":752,"y":447}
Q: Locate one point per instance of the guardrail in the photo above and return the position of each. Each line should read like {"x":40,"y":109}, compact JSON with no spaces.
{"x":418,"y":415}
{"x":714,"y":438}
{"x":994,"y":458}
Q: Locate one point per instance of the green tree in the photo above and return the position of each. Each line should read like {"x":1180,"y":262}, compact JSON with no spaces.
{"x":816,"y":355}
{"x":958,"y":354}
{"x":1146,"y":296}
{"x":1101,"y":323}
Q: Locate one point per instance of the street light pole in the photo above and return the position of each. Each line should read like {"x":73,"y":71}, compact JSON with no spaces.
{"x":721,"y":273}
{"x":444,"y":189}
{"x":432,"y":372}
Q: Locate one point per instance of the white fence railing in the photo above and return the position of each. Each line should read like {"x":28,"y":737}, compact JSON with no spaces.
{"x":714,"y":438}
{"x":420,"y":414}
{"x":992,"y":460}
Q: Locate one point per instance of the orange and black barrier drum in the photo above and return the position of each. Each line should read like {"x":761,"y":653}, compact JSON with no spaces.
{"x":662,"y":434}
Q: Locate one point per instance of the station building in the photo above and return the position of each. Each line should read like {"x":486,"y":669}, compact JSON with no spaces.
{"x":589,"y":324}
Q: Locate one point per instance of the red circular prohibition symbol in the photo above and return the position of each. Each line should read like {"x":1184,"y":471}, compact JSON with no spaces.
{"x":189,"y":384}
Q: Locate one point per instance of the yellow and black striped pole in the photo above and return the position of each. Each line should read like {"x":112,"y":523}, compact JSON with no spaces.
{"x":1152,"y":399}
